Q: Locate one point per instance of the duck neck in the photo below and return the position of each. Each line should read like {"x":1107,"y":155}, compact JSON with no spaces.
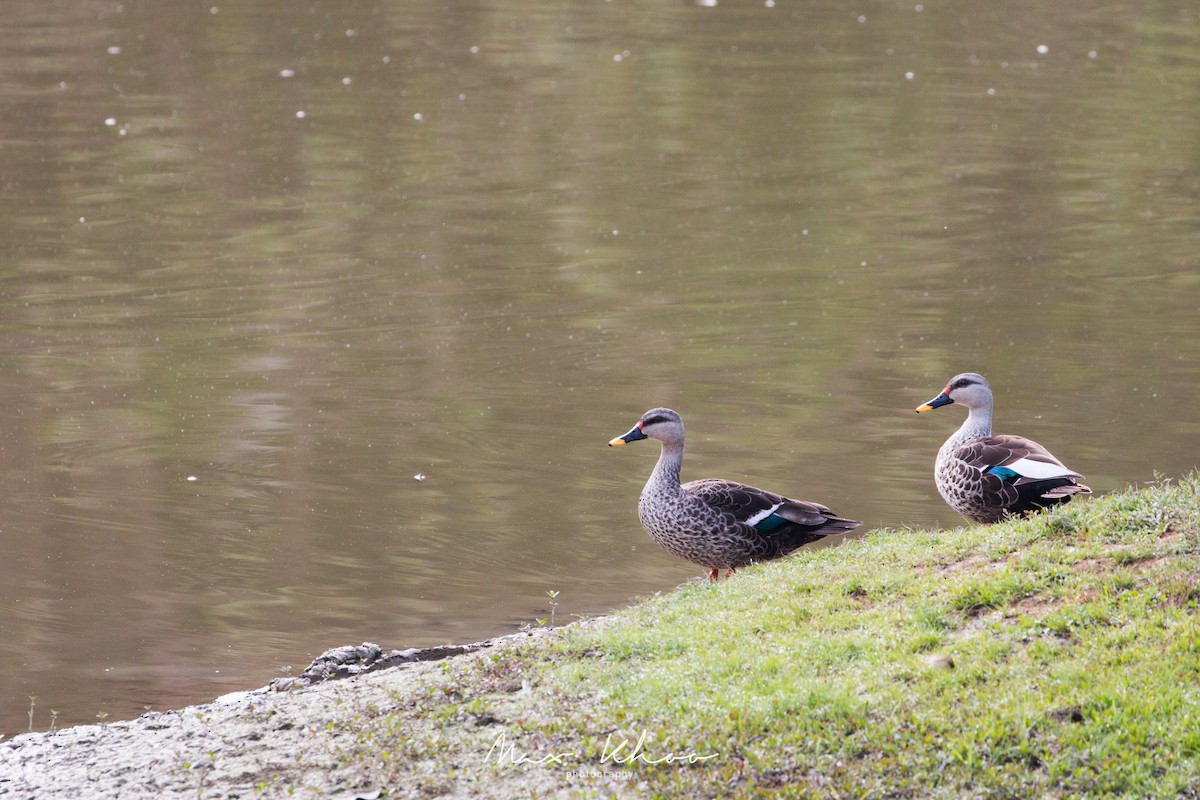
{"x":665,"y":478}
{"x":977,"y":425}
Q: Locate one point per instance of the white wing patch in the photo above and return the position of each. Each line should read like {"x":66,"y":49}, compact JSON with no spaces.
{"x":1040,"y":470}
{"x":760,"y":516}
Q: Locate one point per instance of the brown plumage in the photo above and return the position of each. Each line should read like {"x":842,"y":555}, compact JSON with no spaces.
{"x":986,"y":478}
{"x":716,"y":523}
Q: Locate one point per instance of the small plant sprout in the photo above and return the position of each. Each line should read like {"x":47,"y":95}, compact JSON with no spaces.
{"x":32,"y":703}
{"x":553,"y":595}
{"x":53,"y":720}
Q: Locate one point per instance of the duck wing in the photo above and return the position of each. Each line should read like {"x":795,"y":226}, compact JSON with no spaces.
{"x":1018,"y":474}
{"x":1013,"y":458}
{"x":769,"y":514}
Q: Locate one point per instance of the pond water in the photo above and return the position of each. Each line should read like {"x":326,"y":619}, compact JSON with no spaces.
{"x":316,"y":318}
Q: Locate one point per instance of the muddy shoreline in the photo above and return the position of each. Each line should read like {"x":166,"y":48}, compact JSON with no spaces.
{"x":282,"y":739}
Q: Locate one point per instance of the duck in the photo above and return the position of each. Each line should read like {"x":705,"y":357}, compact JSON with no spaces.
{"x":719,"y":524}
{"x":987,"y":478}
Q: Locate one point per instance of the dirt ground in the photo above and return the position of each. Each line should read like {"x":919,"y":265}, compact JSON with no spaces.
{"x":285,"y":740}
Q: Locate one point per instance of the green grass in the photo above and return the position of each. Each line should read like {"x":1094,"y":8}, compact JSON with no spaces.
{"x":1057,"y":656}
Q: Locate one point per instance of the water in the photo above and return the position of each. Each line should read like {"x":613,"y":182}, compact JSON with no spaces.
{"x":264,"y":265}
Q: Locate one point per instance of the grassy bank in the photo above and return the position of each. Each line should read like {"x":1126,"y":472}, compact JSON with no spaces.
{"x":1056,"y":656}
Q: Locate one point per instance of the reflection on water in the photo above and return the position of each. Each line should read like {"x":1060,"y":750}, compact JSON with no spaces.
{"x":263,"y":266}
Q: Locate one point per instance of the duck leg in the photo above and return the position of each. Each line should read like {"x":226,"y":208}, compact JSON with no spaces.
{"x":714,"y":574}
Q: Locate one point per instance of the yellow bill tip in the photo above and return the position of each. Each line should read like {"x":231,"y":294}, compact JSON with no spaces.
{"x":925,"y":407}
{"x":617,"y":442}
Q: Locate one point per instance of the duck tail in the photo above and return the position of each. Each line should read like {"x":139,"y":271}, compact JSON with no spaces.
{"x":837,"y":525}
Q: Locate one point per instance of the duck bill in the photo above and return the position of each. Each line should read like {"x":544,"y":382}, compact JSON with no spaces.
{"x":634,"y":434}
{"x":942,"y":399}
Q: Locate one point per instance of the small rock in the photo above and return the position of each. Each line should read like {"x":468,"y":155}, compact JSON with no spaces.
{"x":939,"y":661}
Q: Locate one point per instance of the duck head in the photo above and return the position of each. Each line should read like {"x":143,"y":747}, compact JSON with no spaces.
{"x":662,"y":424}
{"x":968,"y":388}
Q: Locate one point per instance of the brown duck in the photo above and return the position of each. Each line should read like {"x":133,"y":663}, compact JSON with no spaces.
{"x":715,"y":523}
{"x":986,"y":478}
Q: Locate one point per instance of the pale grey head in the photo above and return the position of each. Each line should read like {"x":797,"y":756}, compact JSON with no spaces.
{"x":969,"y":389}
{"x":661,"y":424}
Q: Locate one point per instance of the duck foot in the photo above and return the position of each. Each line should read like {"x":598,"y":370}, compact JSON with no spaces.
{"x":714,"y":574}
